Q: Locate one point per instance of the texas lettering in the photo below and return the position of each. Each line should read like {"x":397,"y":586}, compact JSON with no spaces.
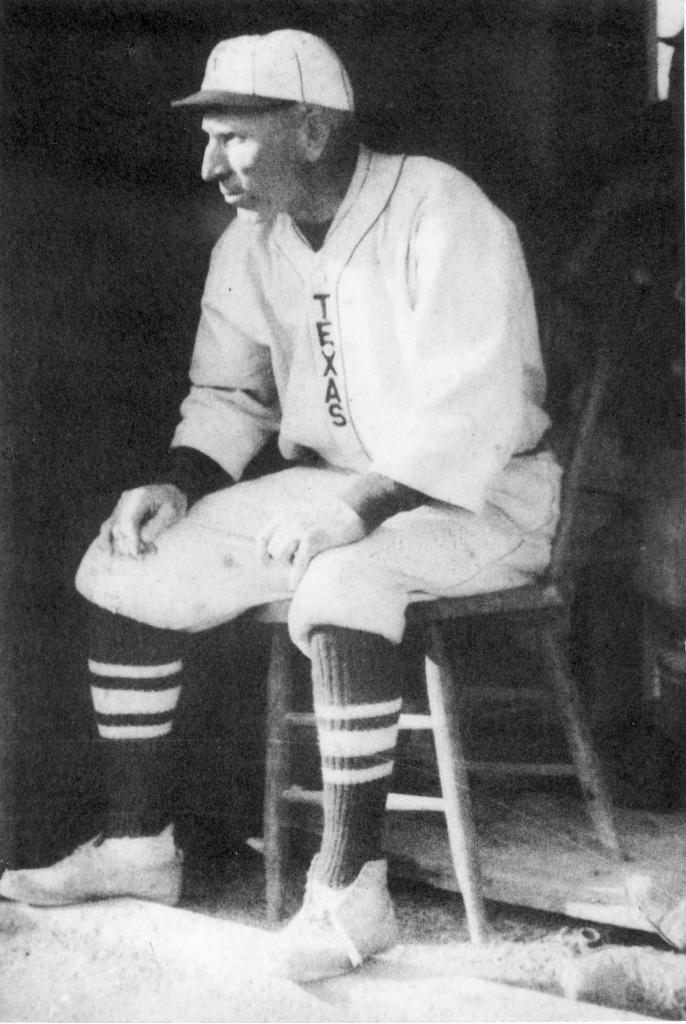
{"x":327,"y":348}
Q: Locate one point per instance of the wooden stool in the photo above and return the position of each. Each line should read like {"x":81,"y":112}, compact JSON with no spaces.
{"x":542,"y":610}
{"x":443,"y":720}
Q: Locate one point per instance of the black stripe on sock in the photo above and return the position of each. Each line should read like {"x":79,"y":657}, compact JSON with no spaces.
{"x":357,"y":724}
{"x":359,"y":763}
{"x":158,"y":718}
{"x":141,"y":685}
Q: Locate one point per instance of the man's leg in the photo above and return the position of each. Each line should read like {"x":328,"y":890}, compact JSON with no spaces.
{"x":361,"y":592}
{"x":135,"y":673}
{"x":203,"y":572}
{"x":357,"y":701}
{"x":348,"y":915}
{"x":135,"y":680}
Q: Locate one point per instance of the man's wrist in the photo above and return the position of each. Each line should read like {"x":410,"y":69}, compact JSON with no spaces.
{"x":375,"y":498}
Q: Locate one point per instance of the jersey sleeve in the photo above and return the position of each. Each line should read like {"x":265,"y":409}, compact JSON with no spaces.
{"x":232,"y":407}
{"x":470,"y":349}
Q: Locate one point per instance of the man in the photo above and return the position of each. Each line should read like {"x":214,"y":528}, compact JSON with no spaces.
{"x":374,"y":312}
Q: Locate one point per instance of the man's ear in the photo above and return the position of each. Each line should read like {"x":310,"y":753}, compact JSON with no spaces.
{"x":314,"y":134}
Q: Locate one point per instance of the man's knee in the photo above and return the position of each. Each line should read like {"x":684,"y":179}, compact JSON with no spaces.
{"x":127,"y":587}
{"x":94,"y":581}
{"x":87,"y":573}
{"x":339,"y":589}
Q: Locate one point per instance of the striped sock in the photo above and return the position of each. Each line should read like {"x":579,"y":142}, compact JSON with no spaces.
{"x":135,"y":679}
{"x":356,"y":681}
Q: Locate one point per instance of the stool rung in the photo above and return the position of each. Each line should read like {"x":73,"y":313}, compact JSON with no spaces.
{"x":530,"y":768}
{"x":394,"y":801}
{"x":409,"y":801}
{"x":409,"y":722}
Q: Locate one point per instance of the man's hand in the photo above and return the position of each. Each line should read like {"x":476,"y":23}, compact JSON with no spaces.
{"x":295,"y":540}
{"x":140,"y":516}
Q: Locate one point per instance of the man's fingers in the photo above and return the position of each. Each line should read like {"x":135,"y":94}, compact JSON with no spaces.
{"x":262,"y":541}
{"x":139,"y":517}
{"x":166,"y":516}
{"x":277,"y":543}
{"x":119,"y":532}
{"x":283,"y":549}
{"x":301,"y":559}
{"x":125,"y":538}
{"x":105,"y":535}
{"x":115,"y":537}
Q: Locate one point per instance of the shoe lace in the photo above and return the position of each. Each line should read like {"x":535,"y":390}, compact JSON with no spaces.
{"x":85,"y":850}
{"x":323,"y":910}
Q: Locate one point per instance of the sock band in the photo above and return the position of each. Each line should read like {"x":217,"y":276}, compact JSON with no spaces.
{"x":134,"y":702}
{"x":358,"y":745}
{"x":357,"y":742}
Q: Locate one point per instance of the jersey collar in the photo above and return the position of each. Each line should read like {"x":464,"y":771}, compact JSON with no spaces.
{"x":370,"y":189}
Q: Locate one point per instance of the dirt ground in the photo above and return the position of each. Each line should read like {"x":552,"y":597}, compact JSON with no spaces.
{"x":126,"y":960}
{"x":529,"y":948}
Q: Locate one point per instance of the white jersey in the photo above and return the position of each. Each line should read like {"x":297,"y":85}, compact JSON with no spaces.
{"x":406,"y":345}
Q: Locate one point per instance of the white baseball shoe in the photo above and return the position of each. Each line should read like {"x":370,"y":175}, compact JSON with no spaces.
{"x":336,"y":929}
{"x":147,"y":868}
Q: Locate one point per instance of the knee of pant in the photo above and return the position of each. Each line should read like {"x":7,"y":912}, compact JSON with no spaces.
{"x":338,"y":590}
{"x":110,"y":583}
{"x":320,"y":588}
{"x":88,"y":573}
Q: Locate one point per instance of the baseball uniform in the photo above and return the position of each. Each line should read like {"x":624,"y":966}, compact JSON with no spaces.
{"x":407,"y":346}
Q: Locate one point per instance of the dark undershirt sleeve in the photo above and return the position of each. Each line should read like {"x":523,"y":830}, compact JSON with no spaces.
{"x":376,"y":497}
{"x":373,"y":497}
{"x":193,"y":473}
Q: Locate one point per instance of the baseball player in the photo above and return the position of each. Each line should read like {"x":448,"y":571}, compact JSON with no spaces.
{"x":376,"y":314}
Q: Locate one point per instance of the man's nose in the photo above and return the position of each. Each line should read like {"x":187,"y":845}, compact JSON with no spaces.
{"x":215,"y":163}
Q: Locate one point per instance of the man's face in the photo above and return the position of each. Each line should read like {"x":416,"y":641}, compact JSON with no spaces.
{"x":255,"y":158}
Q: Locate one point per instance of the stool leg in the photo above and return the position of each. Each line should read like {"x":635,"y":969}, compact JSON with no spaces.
{"x":650,"y":647}
{"x":452,"y":770}
{"x":279,"y":699}
{"x":588,"y":767}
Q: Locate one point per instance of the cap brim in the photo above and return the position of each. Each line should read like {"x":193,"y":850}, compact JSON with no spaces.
{"x":213,"y":99}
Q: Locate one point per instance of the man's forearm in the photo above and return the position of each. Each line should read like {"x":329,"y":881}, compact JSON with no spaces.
{"x":374,"y":497}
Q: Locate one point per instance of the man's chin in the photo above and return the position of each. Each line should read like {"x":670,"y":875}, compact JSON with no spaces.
{"x":236,"y":199}
{"x":247,"y":201}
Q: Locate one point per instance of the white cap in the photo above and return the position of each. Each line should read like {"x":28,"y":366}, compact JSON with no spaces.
{"x":287,"y":65}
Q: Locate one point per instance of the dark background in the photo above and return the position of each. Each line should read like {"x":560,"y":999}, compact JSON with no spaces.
{"x":107,"y":232}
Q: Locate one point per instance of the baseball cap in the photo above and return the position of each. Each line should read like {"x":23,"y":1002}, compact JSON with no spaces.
{"x":251,"y":72}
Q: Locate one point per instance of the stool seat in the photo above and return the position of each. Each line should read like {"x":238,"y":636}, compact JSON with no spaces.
{"x":533,"y":597}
